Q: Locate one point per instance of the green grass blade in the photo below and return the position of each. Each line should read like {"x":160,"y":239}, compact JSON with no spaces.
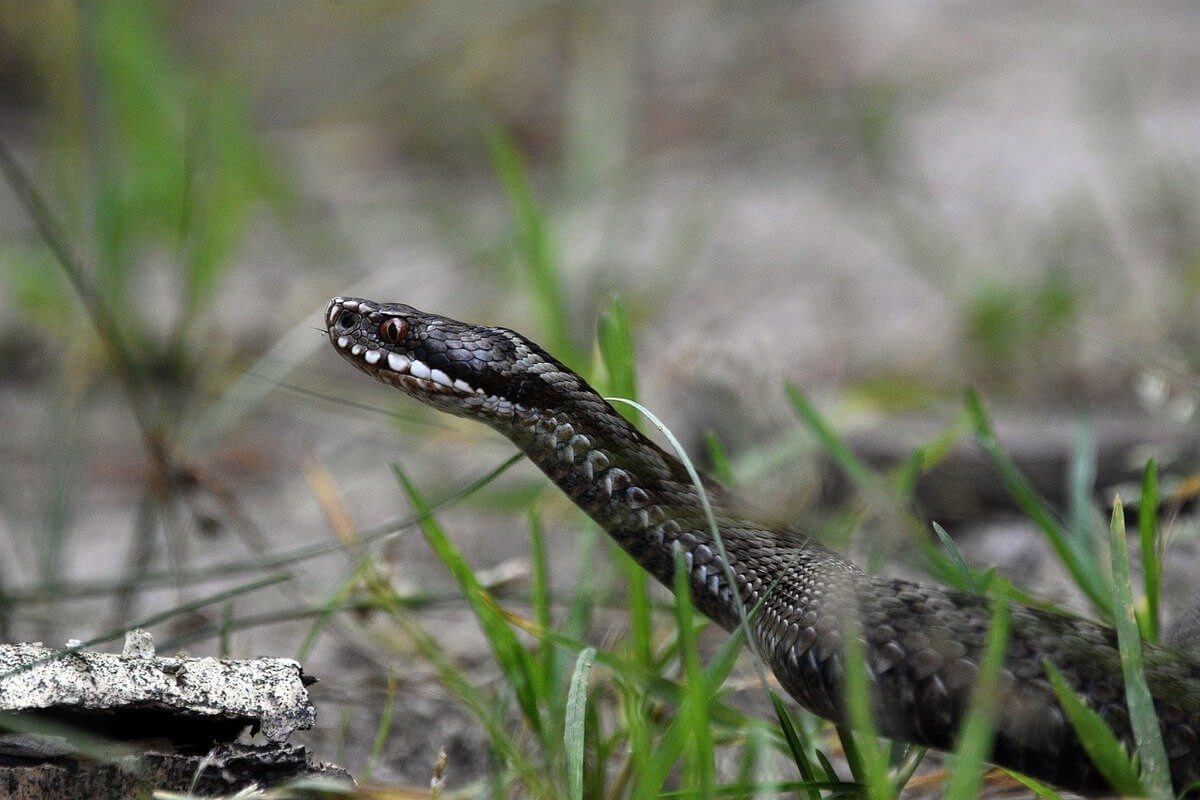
{"x":641,"y":619}
{"x":381,"y":734}
{"x":905,"y":477}
{"x":514,"y":660}
{"x":859,"y":472}
{"x":676,"y":739}
{"x":573,"y":737}
{"x":187,"y":170}
{"x":744,"y":617}
{"x":594,"y":774}
{"x":583,"y":599}
{"x":982,"y":581}
{"x":938,"y":450}
{"x":1085,"y":573}
{"x":1151,"y":555}
{"x":722,"y":468}
{"x":908,"y":765}
{"x":541,"y":601}
{"x":978,"y":730}
{"x":662,"y":762}
{"x":635,"y":720}
{"x":1142,"y":716}
{"x":615,"y":340}
{"x":968,"y":577}
{"x":1081,"y":484}
{"x":1038,"y":788}
{"x":235,"y":174}
{"x":868,"y":762}
{"x":722,"y":664}
{"x":701,"y":768}
{"x":1098,"y":740}
{"x":536,"y":249}
{"x":828,"y":767}
{"x":794,"y":743}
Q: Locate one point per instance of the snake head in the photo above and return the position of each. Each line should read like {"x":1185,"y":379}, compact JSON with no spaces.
{"x":468,"y":370}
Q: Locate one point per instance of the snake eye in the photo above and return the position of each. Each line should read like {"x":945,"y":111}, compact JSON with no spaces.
{"x":393,"y":330}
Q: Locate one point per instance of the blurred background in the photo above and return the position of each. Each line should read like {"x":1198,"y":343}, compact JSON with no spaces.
{"x":882,"y":203}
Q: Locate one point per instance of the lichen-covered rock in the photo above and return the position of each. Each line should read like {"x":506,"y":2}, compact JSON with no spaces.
{"x":268,"y":693}
{"x":173,"y":722}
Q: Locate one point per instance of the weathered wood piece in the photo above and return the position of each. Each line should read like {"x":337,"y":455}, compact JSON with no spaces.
{"x":268,"y":693}
{"x":76,"y":723}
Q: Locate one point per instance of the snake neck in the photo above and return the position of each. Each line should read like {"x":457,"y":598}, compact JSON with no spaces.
{"x":645,"y":499}
{"x":625,"y":482}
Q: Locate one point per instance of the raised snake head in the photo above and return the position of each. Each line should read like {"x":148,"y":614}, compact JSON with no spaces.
{"x":469,"y":370}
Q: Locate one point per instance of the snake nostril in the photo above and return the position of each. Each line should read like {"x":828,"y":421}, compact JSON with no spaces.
{"x":346,"y":321}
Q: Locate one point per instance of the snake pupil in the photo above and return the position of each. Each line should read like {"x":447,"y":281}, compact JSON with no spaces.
{"x":393,"y":330}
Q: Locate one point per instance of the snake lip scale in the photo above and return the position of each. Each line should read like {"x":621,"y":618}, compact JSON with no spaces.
{"x":923,"y":643}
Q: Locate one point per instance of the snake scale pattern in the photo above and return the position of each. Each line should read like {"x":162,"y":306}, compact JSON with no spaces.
{"x":923,"y":643}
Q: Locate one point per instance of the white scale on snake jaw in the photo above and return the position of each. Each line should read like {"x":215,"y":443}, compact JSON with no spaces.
{"x":403,"y":365}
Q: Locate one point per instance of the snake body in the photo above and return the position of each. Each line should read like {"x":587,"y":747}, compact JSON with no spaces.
{"x":923,"y":643}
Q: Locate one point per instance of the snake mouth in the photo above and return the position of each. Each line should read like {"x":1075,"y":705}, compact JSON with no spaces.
{"x":356,"y":329}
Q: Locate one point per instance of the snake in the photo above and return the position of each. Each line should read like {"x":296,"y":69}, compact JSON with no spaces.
{"x":922,"y":644}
